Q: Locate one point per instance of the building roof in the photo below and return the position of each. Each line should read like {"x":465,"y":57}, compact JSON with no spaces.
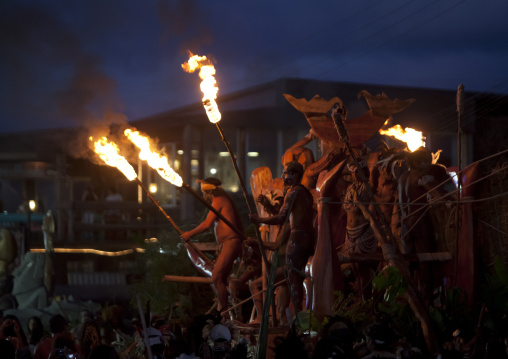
{"x":264,"y":106}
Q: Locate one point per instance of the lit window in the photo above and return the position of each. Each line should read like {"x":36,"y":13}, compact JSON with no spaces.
{"x":213,"y":171}
{"x":252,"y":154}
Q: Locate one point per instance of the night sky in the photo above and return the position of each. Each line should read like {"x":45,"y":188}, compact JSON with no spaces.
{"x":73,"y":62}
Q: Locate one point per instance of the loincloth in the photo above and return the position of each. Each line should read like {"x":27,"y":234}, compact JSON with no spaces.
{"x":361,"y":239}
{"x":221,"y":245}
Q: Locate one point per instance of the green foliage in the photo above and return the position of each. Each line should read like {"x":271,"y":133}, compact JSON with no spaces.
{"x":177,"y":300}
{"x":307,"y":322}
{"x":447,"y":313}
{"x":450,"y":311}
{"x":390,"y":287}
{"x":359,"y":312}
{"x":391,"y":282}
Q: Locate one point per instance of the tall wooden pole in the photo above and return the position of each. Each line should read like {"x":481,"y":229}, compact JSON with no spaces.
{"x":244,"y":190}
{"x":200,"y":253}
{"x":145,"y":329}
{"x":237,"y":169}
{"x":460,"y":112}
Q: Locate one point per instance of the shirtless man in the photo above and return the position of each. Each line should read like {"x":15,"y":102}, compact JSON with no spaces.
{"x":230,"y":243}
{"x":297,"y":208}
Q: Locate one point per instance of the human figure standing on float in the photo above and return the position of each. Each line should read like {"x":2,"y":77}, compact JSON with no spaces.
{"x":360,"y":237}
{"x":298,"y":210}
{"x":230,"y":242}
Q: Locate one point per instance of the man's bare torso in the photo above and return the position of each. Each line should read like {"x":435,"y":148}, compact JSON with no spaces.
{"x":301,"y":216}
{"x":222,"y":231}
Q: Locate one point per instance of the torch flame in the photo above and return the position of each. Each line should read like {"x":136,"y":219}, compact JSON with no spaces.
{"x":206,"y":73}
{"x":413,"y":138}
{"x":154,"y":159}
{"x":108,"y":152}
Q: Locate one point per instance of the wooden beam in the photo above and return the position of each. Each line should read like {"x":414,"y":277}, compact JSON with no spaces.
{"x":178,"y":278}
{"x":378,"y":257}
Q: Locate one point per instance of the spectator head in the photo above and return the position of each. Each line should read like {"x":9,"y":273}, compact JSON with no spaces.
{"x":85,"y":316}
{"x":35,"y":330}
{"x":57,"y":324}
{"x":11,"y":322}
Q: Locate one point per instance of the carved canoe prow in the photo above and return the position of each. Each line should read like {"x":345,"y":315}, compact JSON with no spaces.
{"x":360,"y":129}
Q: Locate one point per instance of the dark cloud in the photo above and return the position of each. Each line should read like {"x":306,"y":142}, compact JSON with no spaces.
{"x":48,"y":75}
{"x":184,"y":22}
{"x":76,"y":62}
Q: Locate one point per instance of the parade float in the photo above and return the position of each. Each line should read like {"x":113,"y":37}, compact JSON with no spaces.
{"x":437,"y":265}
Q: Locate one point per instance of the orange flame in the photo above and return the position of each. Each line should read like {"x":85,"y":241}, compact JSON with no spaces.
{"x":108,"y":152}
{"x":206,"y":73}
{"x":154,"y":160}
{"x":413,"y":138}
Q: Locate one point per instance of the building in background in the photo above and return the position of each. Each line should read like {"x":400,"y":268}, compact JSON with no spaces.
{"x":49,"y":167}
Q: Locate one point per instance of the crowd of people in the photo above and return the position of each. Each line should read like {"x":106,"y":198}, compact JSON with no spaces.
{"x":106,"y":334}
{"x":91,"y":338}
{"x":113,"y":334}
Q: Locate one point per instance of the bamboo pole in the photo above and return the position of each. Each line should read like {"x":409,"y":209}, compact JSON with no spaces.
{"x":244,"y":191}
{"x":175,"y":226}
{"x":263,"y":329}
{"x":275,"y":285}
{"x":460,"y":111}
{"x":237,"y":169}
{"x":145,"y":329}
{"x":199,"y":252}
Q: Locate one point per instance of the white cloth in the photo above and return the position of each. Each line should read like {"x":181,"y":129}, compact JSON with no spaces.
{"x":188,"y":356}
{"x":154,"y":336}
{"x":220,"y":331}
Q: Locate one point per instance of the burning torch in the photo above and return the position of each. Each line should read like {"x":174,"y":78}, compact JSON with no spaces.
{"x":209,"y":89}
{"x":108,"y":152}
{"x":161,"y":165}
